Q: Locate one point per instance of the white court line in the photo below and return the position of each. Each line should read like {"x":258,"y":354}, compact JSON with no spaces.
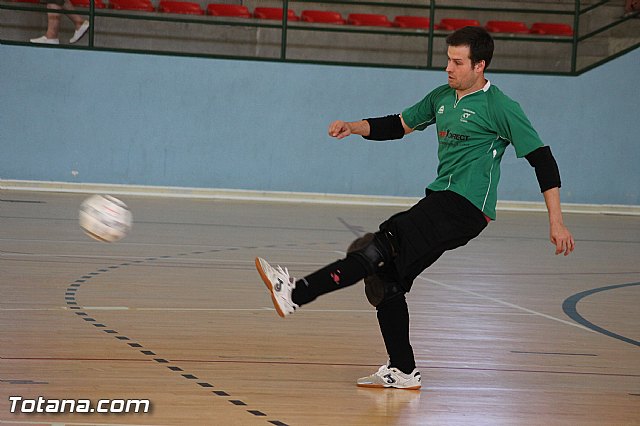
{"x":187,"y":247}
{"x":204,"y":309}
{"x":15,"y":422}
{"x":126,"y":308}
{"x":502,"y":302}
{"x":159,"y":258}
{"x":106,"y":308}
{"x":60,"y":308}
{"x":249,"y":309}
{"x":122,"y":243}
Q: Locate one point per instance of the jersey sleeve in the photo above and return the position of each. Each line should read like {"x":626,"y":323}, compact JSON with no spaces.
{"x":514,"y":126}
{"x":422,"y":114}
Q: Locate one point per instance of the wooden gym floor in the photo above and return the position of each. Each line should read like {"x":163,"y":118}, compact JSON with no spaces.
{"x":505,"y":333}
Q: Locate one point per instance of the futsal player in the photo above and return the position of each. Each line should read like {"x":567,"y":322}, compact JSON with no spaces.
{"x":475,"y":124}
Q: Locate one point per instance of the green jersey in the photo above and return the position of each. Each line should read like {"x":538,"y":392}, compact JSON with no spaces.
{"x":473,"y":133}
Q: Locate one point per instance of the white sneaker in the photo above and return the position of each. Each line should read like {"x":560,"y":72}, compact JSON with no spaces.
{"x":80,"y":32}
{"x":280,"y":284}
{"x":45,"y":40}
{"x":387,"y":377}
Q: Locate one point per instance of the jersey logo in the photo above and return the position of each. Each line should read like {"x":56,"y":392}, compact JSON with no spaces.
{"x":449,"y":135}
{"x":441,"y":110}
{"x":466,"y":113}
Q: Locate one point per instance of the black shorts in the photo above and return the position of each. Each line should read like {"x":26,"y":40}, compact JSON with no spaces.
{"x":441,"y":221}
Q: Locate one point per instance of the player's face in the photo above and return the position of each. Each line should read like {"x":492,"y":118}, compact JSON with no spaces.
{"x":463,"y":77}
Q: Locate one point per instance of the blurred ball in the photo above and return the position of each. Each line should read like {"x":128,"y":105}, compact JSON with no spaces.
{"x":105,"y":218}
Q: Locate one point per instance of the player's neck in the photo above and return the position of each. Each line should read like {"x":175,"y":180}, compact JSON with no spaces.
{"x":478,"y":85}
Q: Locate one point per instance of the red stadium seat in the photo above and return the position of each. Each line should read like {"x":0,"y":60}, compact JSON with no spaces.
{"x":98,"y":4}
{"x":420,"y":22}
{"x":183,"y":7}
{"x":551,"y":29}
{"x":144,"y":5}
{"x":232,"y":10}
{"x":322,"y":17}
{"x":274,"y":13}
{"x":368,"y":19}
{"x":452,"y":24}
{"x":507,"y":27}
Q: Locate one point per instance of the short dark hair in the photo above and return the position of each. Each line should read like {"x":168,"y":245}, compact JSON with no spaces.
{"x":479,"y":41}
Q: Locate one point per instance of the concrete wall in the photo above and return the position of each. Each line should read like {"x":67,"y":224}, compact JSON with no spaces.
{"x":99,"y":117}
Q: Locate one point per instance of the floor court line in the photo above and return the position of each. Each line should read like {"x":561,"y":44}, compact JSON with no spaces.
{"x":13,"y":422}
{"x":287,"y":362}
{"x":264,"y":308}
{"x":172,"y":258}
{"x":502,"y":302}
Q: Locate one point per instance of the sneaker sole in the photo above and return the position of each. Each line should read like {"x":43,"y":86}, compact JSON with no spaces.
{"x":377,"y":386}
{"x":263,"y":275}
{"x":84,"y":33}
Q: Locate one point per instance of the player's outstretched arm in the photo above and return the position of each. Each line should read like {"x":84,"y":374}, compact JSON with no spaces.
{"x":380,"y":129}
{"x":341,"y":129}
{"x":558,"y":233}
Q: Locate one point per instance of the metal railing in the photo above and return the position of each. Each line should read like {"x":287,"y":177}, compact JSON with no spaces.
{"x":568,"y":48}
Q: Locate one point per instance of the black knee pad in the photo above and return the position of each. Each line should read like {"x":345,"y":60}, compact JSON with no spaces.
{"x":379,"y":292}
{"x":371,"y":250}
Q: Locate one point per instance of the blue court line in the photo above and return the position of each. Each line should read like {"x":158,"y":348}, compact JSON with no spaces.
{"x":569,"y":306}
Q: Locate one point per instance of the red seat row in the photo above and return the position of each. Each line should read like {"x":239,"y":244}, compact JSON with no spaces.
{"x":545,"y":28}
{"x":516,"y":27}
{"x":511,"y":27}
{"x":377,"y":20}
{"x":328,"y":17}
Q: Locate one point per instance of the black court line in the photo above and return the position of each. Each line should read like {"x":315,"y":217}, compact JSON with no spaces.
{"x":23,"y":382}
{"x":354,"y":229}
{"x":70,"y":299}
{"x":23,"y":201}
{"x":551,"y":353}
{"x":569,"y":306}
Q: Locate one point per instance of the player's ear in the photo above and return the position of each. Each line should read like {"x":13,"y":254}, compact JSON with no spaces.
{"x":480,"y":65}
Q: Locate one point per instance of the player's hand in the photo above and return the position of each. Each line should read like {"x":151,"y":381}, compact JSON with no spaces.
{"x":340,"y":129}
{"x":562,"y":238}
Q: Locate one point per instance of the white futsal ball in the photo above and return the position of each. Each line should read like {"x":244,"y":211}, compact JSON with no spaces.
{"x":105,"y":218}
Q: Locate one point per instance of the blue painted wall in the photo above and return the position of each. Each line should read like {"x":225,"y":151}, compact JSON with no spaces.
{"x":192,"y":122}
